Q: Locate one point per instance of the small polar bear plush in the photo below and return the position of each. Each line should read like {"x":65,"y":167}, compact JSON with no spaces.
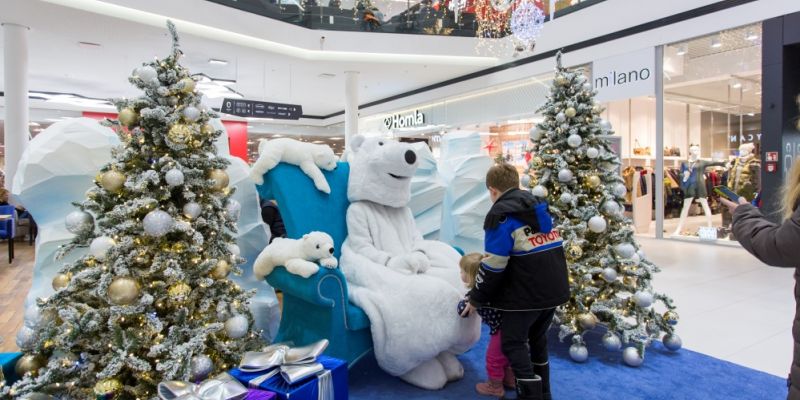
{"x":308,"y":156}
{"x":299,"y":256}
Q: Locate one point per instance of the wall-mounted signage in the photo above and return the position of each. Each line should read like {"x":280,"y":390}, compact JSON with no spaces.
{"x":396,"y":121}
{"x":625,"y":76}
{"x":260,"y":109}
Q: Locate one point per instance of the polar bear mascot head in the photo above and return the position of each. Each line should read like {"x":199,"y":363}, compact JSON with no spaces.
{"x":381,"y":171}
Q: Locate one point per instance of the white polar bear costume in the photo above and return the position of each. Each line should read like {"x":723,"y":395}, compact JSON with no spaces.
{"x":409,"y":287}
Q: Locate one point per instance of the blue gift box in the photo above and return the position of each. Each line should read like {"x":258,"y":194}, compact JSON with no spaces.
{"x":7,"y":363}
{"x":307,"y":389}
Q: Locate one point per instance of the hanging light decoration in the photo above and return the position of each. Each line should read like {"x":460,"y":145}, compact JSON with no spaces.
{"x":526,"y":24}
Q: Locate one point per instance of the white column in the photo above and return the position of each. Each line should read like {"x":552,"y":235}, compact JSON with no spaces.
{"x":15,"y":62}
{"x":659,"y":172}
{"x":350,"y":106}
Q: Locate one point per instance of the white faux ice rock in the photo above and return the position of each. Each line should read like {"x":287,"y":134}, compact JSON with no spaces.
{"x":56,"y":169}
{"x":466,"y":202}
{"x":427,"y":193}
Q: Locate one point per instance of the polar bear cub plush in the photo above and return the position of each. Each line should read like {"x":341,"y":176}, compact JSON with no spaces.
{"x":299,"y":256}
{"x":308,"y":156}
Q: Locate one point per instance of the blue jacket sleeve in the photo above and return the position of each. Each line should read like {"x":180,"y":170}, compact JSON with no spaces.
{"x":498,"y":244}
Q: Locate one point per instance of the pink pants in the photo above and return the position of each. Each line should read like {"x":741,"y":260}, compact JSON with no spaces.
{"x":496,"y":361}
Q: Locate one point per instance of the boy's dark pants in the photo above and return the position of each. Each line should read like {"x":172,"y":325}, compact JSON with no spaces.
{"x":524,"y":339}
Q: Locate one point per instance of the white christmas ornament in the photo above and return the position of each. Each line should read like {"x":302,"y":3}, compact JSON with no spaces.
{"x":100,"y":246}
{"x":26,"y":338}
{"x":561,"y":117}
{"x":535,"y":134}
{"x":574,"y":141}
{"x":234,"y":209}
{"x":147,"y":73}
{"x":234,"y":249}
{"x":592,"y":152}
{"x":611,"y":342}
{"x":157,"y":223}
{"x":605,"y":126}
{"x":609,"y":274}
{"x":192,"y":210}
{"x":191,"y":113}
{"x":625,"y":250}
{"x":236,"y":327}
{"x":565,"y":175}
{"x":79,"y":222}
{"x":565,"y":198}
{"x":597,"y":224}
{"x":525,"y":180}
{"x":620,"y":190}
{"x":611,"y":208}
{"x":539,"y":191}
{"x":643,"y":299}
{"x":631,"y":357}
{"x":672,"y":342}
{"x":578,"y":352}
{"x":174,"y":177}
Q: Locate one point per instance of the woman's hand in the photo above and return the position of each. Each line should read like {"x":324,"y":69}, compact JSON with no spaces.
{"x":731,"y":205}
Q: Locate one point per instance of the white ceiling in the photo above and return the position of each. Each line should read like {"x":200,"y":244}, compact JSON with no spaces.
{"x":58,"y":63}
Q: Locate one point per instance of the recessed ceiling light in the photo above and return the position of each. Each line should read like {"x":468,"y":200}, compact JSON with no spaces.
{"x":715,"y":43}
{"x":215,"y":61}
{"x":751,"y":35}
{"x":751,"y":114}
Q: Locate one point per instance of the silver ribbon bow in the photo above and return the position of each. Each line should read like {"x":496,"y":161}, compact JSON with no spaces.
{"x":221,"y":387}
{"x":294,"y":364}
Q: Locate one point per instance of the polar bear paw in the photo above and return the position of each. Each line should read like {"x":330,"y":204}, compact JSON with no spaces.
{"x":452,"y":367}
{"x":429,"y":375}
{"x":301,"y":267}
{"x":329,"y":262}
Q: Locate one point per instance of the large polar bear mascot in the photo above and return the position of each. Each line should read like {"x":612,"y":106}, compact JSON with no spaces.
{"x":409,"y":287}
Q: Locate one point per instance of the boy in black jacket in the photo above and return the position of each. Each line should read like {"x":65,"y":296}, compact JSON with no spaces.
{"x":524,"y":275}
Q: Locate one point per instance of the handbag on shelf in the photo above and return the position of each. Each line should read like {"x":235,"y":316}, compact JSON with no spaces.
{"x":639,"y":150}
{"x":672,"y":151}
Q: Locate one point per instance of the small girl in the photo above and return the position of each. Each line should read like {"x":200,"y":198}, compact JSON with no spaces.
{"x":497,"y":365}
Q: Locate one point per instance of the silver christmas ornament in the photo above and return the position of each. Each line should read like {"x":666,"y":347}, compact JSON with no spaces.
{"x":609,"y":274}
{"x":605,"y":126}
{"x":587,"y":87}
{"x":26,"y":338}
{"x":234,"y":209}
{"x":79,"y":222}
{"x":157,"y":223}
{"x":100,"y":246}
{"x":200,"y":368}
{"x":32,"y":316}
{"x":236,"y":327}
{"x":592,"y":152}
{"x":625,"y":250}
{"x":565,"y":175}
{"x":535,"y":134}
{"x":587,"y":321}
{"x":147,"y":73}
{"x":174,"y":177}
{"x":631,"y":357}
{"x":611,"y":342}
{"x":565,"y":198}
{"x":192,"y":210}
{"x":191,"y":113}
{"x":561,"y":117}
{"x":620,"y":190}
{"x":574,"y":141}
{"x":539,"y":191}
{"x":578,"y":352}
{"x":597,"y":224}
{"x":525,"y":180}
{"x":234,"y":249}
{"x":611,"y":208}
{"x":643,"y":299}
{"x":672,"y":342}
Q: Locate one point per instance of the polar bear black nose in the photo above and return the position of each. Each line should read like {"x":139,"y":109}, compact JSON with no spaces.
{"x":411,"y":157}
{"x":331,"y":250}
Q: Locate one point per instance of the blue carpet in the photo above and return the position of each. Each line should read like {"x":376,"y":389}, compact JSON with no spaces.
{"x":664,"y":375}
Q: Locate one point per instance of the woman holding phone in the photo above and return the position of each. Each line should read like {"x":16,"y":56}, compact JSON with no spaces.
{"x":777,"y":245}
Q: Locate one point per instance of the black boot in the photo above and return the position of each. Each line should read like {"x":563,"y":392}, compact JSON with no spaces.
{"x":544,"y":372}
{"x":529,"y":389}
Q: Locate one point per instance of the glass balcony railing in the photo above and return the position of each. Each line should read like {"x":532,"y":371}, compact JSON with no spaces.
{"x":432,"y":17}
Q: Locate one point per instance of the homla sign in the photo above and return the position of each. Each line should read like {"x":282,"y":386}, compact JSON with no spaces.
{"x":396,"y":121}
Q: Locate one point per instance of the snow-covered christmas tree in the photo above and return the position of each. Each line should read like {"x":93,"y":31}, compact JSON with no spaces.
{"x":152,"y":300}
{"x":574,"y":168}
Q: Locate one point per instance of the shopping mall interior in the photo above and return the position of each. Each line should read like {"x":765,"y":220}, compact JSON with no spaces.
{"x":382,"y":199}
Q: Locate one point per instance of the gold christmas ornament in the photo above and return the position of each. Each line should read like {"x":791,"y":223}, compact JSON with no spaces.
{"x":188,"y":85}
{"x":220,"y":178}
{"x":671,"y":318}
{"x":112,"y":181}
{"x":161,"y":306}
{"x":561,"y":80}
{"x":207,"y":130}
{"x":537,"y":162}
{"x":180,"y":133}
{"x":179,"y":293}
{"x":196,"y":143}
{"x":91,"y":262}
{"x":61,"y":281}
{"x":574,"y":252}
{"x":593,"y":181}
{"x":587,"y":321}
{"x":30,"y":363}
{"x":123,"y":290}
{"x":128,"y":117}
{"x":221,"y":270}
{"x":570,"y":112}
{"x":108,"y":388}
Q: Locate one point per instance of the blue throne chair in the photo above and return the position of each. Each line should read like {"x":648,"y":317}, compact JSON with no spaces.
{"x":318,"y":307}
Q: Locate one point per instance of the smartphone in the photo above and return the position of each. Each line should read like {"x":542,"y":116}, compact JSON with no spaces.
{"x":727,"y":193}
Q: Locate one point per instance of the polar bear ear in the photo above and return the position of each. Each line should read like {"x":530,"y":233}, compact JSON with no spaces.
{"x":305,"y":236}
{"x":355,"y":142}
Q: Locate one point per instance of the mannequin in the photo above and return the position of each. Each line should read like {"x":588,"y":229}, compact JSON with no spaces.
{"x":745,"y":174}
{"x":693,"y":184}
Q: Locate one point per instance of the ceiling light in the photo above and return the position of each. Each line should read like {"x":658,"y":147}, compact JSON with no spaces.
{"x":751,"y":114}
{"x":215,"y":61}
{"x":326,"y":75}
{"x":736,"y":85}
{"x":682,"y":50}
{"x":318,"y":141}
{"x":715,"y":43}
{"x":337,"y":138}
{"x":751,"y":35}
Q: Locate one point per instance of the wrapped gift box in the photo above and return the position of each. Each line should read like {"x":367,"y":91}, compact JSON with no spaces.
{"x":7,"y":362}
{"x":307,"y":389}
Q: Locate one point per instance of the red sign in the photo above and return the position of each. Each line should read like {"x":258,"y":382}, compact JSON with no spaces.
{"x":772,"y":167}
{"x":772,"y":156}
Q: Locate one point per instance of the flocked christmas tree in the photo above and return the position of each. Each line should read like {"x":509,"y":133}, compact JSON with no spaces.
{"x":151,"y":301}
{"x":574,"y":168}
